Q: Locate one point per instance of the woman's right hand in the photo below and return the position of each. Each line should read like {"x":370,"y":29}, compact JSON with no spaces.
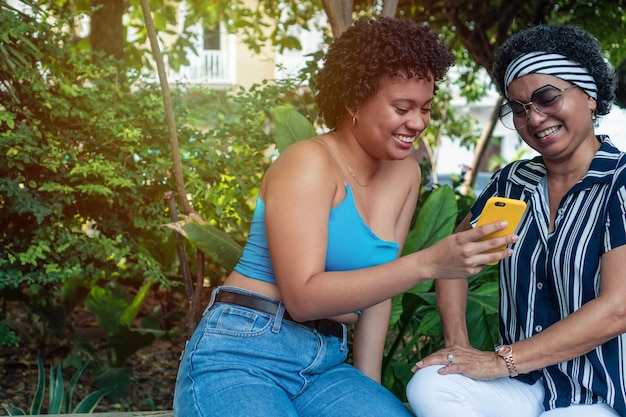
{"x":463,"y":254}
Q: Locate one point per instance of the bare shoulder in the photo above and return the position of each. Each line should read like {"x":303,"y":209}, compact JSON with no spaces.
{"x":304,"y":154}
{"x":306,"y":148}
{"x":305,"y":161}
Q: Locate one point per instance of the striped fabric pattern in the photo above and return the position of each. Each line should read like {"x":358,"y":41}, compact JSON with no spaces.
{"x":552,"y":275}
{"x":552,"y":64}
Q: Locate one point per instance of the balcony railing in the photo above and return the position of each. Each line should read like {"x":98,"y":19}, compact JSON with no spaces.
{"x":210,"y":67}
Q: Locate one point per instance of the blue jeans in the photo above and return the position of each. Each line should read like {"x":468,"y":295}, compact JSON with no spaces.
{"x":242,"y":362}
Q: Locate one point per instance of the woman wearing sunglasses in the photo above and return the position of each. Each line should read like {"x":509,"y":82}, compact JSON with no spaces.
{"x":562,"y":324}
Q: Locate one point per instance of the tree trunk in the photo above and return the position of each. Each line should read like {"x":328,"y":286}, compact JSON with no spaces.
{"x":107,"y":27}
{"x":169,"y":110}
{"x":481,"y":147}
{"x":193,"y":292}
{"x":339,"y":14}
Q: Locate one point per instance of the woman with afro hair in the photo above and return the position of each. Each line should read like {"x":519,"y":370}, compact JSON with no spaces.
{"x":324,"y":246}
{"x":562,"y":322}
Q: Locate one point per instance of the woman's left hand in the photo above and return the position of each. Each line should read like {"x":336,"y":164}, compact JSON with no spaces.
{"x":473,"y":363}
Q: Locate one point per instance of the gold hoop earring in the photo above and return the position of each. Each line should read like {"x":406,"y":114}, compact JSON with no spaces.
{"x":353,"y":121}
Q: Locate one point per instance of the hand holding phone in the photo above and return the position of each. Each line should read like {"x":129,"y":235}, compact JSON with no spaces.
{"x":501,"y":208}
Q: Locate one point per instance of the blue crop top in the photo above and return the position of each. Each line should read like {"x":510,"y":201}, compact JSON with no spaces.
{"x":351,"y":243}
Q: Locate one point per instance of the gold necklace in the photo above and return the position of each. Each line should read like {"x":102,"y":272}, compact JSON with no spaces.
{"x":341,"y":145}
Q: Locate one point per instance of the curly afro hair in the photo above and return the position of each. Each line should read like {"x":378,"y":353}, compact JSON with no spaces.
{"x":568,"y":40}
{"x":370,"y":50}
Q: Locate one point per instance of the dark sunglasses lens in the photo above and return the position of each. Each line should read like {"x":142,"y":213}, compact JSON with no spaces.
{"x":548,"y":98}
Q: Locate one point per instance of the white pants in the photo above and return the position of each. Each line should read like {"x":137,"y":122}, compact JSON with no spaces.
{"x":433,"y":395}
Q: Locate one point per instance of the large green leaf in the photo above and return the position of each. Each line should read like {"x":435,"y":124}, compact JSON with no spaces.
{"x":435,"y":220}
{"x":116,"y":381}
{"x":131,"y":311}
{"x":109,"y":305}
{"x":127,"y":341}
{"x":214,"y":243}
{"x":290,"y":126}
{"x":482,"y":316}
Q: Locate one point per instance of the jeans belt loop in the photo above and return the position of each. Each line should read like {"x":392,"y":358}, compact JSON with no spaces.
{"x":278,"y":318}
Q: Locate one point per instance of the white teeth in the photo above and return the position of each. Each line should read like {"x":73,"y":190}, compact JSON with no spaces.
{"x":405,"y":139}
{"x":547,"y":132}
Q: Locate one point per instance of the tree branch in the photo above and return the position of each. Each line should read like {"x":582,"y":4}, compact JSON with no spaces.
{"x":339,"y":14}
{"x":167,"y":103}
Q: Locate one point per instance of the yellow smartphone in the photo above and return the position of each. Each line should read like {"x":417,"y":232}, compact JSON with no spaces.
{"x":501,"y":208}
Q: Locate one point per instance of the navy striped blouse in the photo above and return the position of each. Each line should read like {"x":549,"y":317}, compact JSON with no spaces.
{"x":552,"y":275}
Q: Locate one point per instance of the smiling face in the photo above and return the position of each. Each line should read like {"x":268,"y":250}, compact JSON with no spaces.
{"x":556,"y":136}
{"x":388,"y":124}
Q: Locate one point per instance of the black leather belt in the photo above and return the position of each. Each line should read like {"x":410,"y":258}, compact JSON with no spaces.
{"x":325,"y":326}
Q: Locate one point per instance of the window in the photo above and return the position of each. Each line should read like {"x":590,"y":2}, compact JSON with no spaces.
{"x":212,"y":38}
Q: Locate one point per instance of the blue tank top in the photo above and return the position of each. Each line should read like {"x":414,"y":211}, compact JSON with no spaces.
{"x":351,"y":243}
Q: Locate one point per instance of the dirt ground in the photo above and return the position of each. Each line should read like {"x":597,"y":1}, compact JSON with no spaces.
{"x":154,"y":371}
{"x":154,"y":374}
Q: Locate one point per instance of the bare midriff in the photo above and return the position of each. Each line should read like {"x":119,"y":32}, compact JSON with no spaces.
{"x":235,"y":279}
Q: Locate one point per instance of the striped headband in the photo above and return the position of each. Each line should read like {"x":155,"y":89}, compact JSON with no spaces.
{"x":552,"y":64}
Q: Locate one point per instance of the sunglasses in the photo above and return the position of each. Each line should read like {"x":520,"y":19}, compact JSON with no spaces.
{"x":547,"y":100}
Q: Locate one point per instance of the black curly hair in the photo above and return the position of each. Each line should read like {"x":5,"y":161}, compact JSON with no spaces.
{"x":568,"y":40}
{"x":369,"y":50}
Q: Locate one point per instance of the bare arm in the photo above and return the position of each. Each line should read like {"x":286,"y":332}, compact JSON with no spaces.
{"x":298,"y":199}
{"x":452,"y":303}
{"x":595,"y":323}
{"x":369,"y":339}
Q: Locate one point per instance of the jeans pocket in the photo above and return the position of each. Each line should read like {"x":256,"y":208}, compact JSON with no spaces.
{"x":237,"y":321}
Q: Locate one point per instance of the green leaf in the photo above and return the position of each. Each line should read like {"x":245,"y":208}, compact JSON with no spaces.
{"x":214,"y":243}
{"x":56,"y":389}
{"x":482,"y":316}
{"x":126,"y":341}
{"x":430,"y":324}
{"x":72,"y":384}
{"x":90,"y":402}
{"x":435,"y":220}
{"x":14,"y":411}
{"x":35,"y":406}
{"x":116,"y":380}
{"x":290,"y":127}
{"x":108,"y":304}
{"x":132,"y":310}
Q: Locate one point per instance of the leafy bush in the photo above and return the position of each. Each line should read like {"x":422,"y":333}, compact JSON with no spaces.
{"x":88,"y":163}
